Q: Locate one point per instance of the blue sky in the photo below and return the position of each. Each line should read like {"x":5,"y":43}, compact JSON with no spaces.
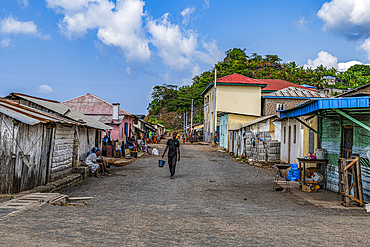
{"x":119,"y":50}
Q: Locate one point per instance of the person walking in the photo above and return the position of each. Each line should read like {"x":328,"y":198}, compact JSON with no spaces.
{"x":173,"y":147}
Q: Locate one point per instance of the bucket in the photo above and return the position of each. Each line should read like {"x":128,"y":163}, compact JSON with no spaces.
{"x":320,"y":154}
{"x":134,"y":154}
{"x":161,"y":163}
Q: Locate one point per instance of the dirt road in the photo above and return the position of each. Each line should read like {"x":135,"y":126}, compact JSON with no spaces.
{"x":214,"y":201}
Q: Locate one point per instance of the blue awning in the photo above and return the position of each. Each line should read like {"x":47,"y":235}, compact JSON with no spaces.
{"x":322,"y":104}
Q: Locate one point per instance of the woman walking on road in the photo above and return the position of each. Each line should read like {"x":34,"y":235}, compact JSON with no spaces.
{"x":173,"y":146}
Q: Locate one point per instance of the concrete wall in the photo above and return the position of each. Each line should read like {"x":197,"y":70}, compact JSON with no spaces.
{"x":236,"y":121}
{"x":236,"y":99}
{"x":294,"y":144}
{"x":239,"y":99}
{"x":224,"y":131}
{"x":313,"y":122}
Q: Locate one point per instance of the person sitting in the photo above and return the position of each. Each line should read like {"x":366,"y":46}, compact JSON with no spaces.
{"x":93,"y":162}
{"x":131,"y":144}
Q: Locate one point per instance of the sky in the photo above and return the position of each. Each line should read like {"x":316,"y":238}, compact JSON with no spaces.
{"x":120,"y":49}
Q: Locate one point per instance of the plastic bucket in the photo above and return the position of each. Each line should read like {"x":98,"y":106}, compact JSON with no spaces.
{"x":161,"y":163}
{"x":134,"y":154}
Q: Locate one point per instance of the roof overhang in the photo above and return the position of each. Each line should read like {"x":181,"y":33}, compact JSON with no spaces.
{"x":311,"y":106}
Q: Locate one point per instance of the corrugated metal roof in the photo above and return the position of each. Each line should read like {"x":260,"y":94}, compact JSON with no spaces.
{"x":322,"y":104}
{"x":295,"y":92}
{"x":30,"y":115}
{"x":90,"y":104}
{"x":62,"y":109}
{"x":258,"y":120}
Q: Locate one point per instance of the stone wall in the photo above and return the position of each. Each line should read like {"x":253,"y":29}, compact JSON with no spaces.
{"x":269,"y":105}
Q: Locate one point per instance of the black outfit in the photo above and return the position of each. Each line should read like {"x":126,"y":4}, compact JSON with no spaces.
{"x":173,"y":145}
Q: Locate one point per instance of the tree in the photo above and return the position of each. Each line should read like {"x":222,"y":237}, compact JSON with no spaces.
{"x":153,"y":119}
{"x":364,"y":69}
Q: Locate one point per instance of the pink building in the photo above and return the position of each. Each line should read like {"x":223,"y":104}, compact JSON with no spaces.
{"x":107,"y":113}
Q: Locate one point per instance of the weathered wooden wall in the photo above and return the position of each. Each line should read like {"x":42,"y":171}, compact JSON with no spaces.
{"x":24,"y":155}
{"x":87,"y":140}
{"x":61,"y":164}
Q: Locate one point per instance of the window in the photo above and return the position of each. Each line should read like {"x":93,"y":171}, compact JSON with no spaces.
{"x":294,"y":133}
{"x":284,"y":134}
{"x":279,"y":106}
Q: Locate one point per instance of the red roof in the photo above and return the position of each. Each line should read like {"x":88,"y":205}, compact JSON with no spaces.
{"x":90,"y":104}
{"x":277,"y":84}
{"x":235,"y":79}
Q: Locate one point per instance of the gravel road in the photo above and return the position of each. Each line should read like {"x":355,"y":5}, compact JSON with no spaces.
{"x":214,"y":201}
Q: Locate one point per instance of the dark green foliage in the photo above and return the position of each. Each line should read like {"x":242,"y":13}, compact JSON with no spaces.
{"x":364,"y":69}
{"x":253,"y":66}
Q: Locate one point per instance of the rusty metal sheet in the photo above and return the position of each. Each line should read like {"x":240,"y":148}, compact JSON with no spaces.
{"x":93,"y":105}
{"x":65,"y":110}
{"x":29,"y":115}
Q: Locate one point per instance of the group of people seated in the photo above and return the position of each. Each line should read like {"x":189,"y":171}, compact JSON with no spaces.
{"x":92,"y":160}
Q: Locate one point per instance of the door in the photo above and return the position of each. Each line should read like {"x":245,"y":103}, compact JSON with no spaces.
{"x":289,"y":141}
{"x":347,"y":141}
{"x":126,"y":130}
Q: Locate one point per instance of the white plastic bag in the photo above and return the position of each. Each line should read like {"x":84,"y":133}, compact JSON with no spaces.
{"x":155,"y":151}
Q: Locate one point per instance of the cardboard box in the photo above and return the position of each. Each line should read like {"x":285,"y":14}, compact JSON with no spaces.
{"x":307,"y":188}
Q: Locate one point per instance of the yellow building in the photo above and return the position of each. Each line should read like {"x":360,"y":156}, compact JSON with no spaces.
{"x":235,"y":94}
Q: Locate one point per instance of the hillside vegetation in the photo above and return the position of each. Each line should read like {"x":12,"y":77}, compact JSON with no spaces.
{"x":178,"y":99}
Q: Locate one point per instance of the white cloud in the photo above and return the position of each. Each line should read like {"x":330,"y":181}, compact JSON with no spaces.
{"x":196,"y":70}
{"x":345,"y":66}
{"x":349,"y":18}
{"x":119,"y":24}
{"x":330,"y":61}
{"x":68,"y":5}
{"x":6,"y":43}
{"x":128,"y":70}
{"x":10,"y":25}
{"x":178,"y":47}
{"x":301,"y":23}
{"x":206,"y":4}
{"x":323,"y":58}
{"x":24,"y":2}
{"x":186,"y":13}
{"x":123,"y":24}
{"x":45,"y":89}
{"x":366,"y":47}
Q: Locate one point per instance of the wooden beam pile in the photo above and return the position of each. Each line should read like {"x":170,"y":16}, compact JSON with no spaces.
{"x":350,"y":179}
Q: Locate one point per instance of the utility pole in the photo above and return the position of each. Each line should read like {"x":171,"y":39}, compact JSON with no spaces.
{"x":191,"y":118}
{"x":214,"y":110}
{"x":184,"y":124}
